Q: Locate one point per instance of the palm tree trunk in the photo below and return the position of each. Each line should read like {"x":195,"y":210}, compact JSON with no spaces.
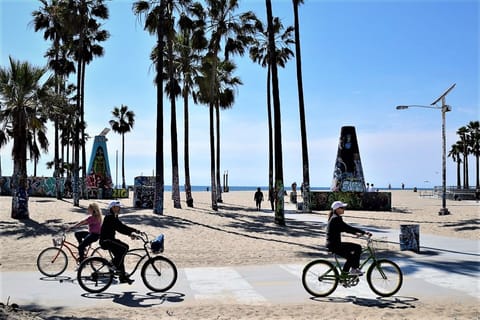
{"x":459,"y":183}
{"x":212,"y":159}
{"x":82,"y":141}
{"x":217,"y":174}
{"x":271,"y":190}
{"x":279,"y":186}
{"x":19,"y":177}
{"x":186,"y":155}
{"x":124,"y":185}
{"x":159,"y":174}
{"x":301,"y":106}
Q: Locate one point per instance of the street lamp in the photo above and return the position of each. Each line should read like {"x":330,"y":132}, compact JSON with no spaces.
{"x":444,"y":108}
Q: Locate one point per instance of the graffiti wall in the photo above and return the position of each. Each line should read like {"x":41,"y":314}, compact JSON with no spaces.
{"x":45,"y":187}
{"x":348,"y":172}
{"x":143,"y":192}
{"x":368,"y":201}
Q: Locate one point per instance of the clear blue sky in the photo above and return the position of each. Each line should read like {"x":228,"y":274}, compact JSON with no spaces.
{"x":360,"y":60}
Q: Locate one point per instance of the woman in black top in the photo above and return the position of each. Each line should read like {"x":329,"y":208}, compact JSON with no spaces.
{"x":350,"y":251}
{"x":110,"y":225}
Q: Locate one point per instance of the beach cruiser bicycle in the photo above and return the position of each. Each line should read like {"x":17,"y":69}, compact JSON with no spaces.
{"x":53,"y":261}
{"x":321,"y":277}
{"x":159,"y":274}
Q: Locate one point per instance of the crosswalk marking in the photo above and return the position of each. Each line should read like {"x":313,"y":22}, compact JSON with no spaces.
{"x":218,"y":283}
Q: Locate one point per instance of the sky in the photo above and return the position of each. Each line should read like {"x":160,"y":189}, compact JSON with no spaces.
{"x":360,"y":59}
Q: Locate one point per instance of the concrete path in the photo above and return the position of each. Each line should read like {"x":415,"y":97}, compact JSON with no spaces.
{"x":445,"y":267}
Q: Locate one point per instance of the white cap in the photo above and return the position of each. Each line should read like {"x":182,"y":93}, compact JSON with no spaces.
{"x":338,"y":204}
{"x":114,"y":203}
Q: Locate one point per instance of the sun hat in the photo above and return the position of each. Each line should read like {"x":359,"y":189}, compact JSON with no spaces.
{"x":338,"y":204}
{"x":114,"y":203}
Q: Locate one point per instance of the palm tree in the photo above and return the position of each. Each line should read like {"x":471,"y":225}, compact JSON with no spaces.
{"x":50,"y":18}
{"x":455,"y":153}
{"x":463,"y":134}
{"x":188,"y":45}
{"x":279,"y":186}
{"x":122,"y":123}
{"x":259,"y":54}
{"x":154,"y":23}
{"x":21,"y":94}
{"x":301,"y":107}
{"x":473,"y":128}
{"x":81,"y":19}
{"x":235,"y":31}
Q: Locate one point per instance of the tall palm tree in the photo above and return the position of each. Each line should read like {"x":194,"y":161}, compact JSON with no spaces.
{"x":259,"y":54}
{"x":473,"y":128}
{"x":301,"y":108}
{"x":462,"y":132}
{"x":279,"y":186}
{"x":189,"y":43}
{"x":235,"y":31}
{"x":81,"y":19}
{"x":21,"y":94}
{"x":154,"y":13}
{"x":50,"y":18}
{"x":455,"y":153}
{"x":122,"y":123}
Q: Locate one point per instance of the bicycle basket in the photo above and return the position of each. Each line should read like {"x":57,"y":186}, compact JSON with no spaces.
{"x":57,"y":240}
{"x":157,"y":244}
{"x":380,"y":244}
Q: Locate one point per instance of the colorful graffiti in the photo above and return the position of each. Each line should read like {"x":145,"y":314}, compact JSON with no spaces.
{"x":348,"y":172}
{"x":99,"y":179}
{"x":368,"y":201}
{"x":143,"y":192}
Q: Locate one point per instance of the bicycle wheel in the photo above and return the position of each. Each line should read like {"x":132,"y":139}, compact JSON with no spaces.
{"x":52,"y":261}
{"x":384,"y":277}
{"x":159,"y":274}
{"x":95,"y":274}
{"x":320,"y":278}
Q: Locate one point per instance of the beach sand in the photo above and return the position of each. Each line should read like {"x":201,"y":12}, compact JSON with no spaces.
{"x":239,"y":235}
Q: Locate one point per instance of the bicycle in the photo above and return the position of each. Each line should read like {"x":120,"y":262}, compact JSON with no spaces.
{"x":53,"y":261}
{"x":158,"y":273}
{"x":321,"y":277}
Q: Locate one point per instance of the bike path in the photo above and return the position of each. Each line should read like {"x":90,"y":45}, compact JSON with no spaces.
{"x":251,"y":285}
{"x":445,"y":267}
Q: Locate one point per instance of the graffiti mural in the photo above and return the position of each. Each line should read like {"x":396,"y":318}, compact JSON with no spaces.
{"x":368,"y":201}
{"x":99,"y":178}
{"x":143,"y":192}
{"x":410,"y":237}
{"x":348,"y":172}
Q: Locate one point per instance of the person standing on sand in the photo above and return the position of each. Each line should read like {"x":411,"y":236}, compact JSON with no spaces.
{"x":86,"y":238}
{"x":110,"y":225}
{"x":258,"y":197}
{"x":350,"y":251}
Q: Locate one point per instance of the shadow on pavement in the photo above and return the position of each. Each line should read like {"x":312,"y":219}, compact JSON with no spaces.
{"x":395,"y":302}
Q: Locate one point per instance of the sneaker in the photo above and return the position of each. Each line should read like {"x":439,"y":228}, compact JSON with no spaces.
{"x":126,"y":279}
{"x":355,"y":272}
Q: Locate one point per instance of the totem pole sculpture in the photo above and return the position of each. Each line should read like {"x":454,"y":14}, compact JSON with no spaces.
{"x":348,"y":173}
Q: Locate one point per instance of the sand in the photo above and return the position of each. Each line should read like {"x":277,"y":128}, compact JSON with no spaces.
{"x":239,"y":235}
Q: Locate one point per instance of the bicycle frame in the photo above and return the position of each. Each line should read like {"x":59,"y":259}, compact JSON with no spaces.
{"x":140,"y":257}
{"x":70,"y":247}
{"x":369,"y":250}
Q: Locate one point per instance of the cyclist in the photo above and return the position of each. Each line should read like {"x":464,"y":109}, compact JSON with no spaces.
{"x":86,"y":238}
{"x":350,"y":251}
{"x":110,"y":225}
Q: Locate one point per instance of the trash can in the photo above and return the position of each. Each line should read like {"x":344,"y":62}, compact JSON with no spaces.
{"x":410,"y":237}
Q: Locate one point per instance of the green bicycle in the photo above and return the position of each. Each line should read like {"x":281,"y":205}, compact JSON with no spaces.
{"x":321,"y":277}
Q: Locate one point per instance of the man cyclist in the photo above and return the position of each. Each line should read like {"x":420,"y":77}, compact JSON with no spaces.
{"x":111,"y":224}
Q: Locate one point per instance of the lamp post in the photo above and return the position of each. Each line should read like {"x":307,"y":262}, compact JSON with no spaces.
{"x":444,"y":109}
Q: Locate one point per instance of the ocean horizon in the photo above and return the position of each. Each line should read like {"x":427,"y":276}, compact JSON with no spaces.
{"x":265,"y":188}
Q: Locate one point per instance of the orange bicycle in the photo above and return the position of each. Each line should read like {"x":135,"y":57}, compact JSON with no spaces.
{"x":53,"y":261}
